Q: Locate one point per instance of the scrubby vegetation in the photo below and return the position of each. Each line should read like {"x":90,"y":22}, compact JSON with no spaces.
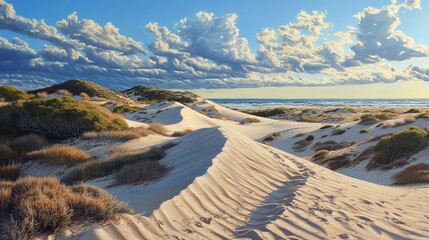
{"x":76,"y":87}
{"x":268,"y":112}
{"x":250,"y":120}
{"x":111,"y":164}
{"x":9,"y":94}
{"x":271,"y":137}
{"x":140,"y":171}
{"x":59,"y":117}
{"x":181,"y":133}
{"x":309,"y":138}
{"x":35,"y":205}
{"x":157,"y":128}
{"x":368,"y":119}
{"x":63,"y":155}
{"x":125,"y":108}
{"x":121,"y":135}
{"x":415,"y":174}
{"x":364,"y":131}
{"x":399,"y":145}
{"x":399,"y":122}
{"x":337,"y":132}
{"x":9,"y":171}
{"x":150,"y":94}
{"x":326,"y":127}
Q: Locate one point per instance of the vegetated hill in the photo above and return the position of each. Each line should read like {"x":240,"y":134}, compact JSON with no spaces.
{"x":147,"y":93}
{"x":79,"y":86}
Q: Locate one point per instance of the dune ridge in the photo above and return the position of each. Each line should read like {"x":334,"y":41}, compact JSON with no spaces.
{"x":255,"y":191}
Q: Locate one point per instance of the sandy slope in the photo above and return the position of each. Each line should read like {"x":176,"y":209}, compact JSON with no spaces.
{"x":250,"y":190}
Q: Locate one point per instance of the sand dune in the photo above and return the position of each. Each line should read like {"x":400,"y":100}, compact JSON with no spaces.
{"x":235,"y":187}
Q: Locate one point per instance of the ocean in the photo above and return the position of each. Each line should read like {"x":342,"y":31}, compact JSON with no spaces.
{"x":244,"y":103}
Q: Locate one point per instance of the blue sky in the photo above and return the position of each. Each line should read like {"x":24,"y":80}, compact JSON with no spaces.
{"x":214,"y":44}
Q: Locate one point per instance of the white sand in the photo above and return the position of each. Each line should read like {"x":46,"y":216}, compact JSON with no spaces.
{"x":223,"y":184}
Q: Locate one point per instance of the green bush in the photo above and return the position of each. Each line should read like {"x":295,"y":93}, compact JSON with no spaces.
{"x":59,"y":117}
{"x":124,"y":108}
{"x":268,"y":112}
{"x":309,"y":138}
{"x":10,"y":93}
{"x":326,"y":127}
{"x":364,"y":131}
{"x":399,"y":145}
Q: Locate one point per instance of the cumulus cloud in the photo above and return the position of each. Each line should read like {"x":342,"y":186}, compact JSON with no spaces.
{"x":379,"y":39}
{"x":90,"y":33}
{"x":207,"y":51}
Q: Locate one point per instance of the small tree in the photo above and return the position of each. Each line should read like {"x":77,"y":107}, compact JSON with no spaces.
{"x":10,"y":94}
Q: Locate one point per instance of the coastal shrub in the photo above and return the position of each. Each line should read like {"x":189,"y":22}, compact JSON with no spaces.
{"x":42,"y":95}
{"x":423,"y":116}
{"x":140,"y":172}
{"x":46,"y":205}
{"x":157,"y":128}
{"x":364,"y":131}
{"x":271,"y":137}
{"x":59,"y":117}
{"x":337,"y":132}
{"x":181,"y":133}
{"x":28,"y":143}
{"x":84,"y":96}
{"x":309,"y":138}
{"x":268,"y":112}
{"x":250,"y":120}
{"x":6,"y":154}
{"x":63,"y":155}
{"x":326,"y":127}
{"x":418,"y":173}
{"x":122,"y":135}
{"x":9,"y":94}
{"x":124,"y":108}
{"x":401,"y":144}
{"x":412,"y":110}
{"x":9,"y":171}
{"x":371,"y":118}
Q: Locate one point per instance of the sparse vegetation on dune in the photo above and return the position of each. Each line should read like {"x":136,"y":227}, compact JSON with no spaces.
{"x":412,"y":110}
{"x":140,"y":172}
{"x":46,"y":205}
{"x":63,"y":155}
{"x":157,"y":128}
{"x":368,"y":119}
{"x":415,"y":174}
{"x":59,"y":117}
{"x":124,"y":108}
{"x":9,"y":94}
{"x":268,"y":112}
{"x":309,"y":138}
{"x":122,"y":135}
{"x":111,"y":164}
{"x":326,"y":127}
{"x":91,"y":89}
{"x":149,"y":94}
{"x":249,"y":121}
{"x":181,"y":133}
{"x":9,"y":171}
{"x":399,"y":145}
{"x":399,"y":122}
{"x":271,"y":137}
{"x":364,"y":131}
{"x":337,"y":132}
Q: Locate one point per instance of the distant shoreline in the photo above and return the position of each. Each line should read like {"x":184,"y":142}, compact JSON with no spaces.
{"x":244,"y":103}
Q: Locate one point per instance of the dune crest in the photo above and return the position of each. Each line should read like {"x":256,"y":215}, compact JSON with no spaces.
{"x":255,"y":191}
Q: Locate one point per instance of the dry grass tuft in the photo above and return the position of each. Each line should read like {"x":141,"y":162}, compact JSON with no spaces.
{"x":414,"y":174}
{"x":63,"y":155}
{"x":6,"y":154}
{"x":84,"y":96}
{"x":250,"y":120}
{"x":181,"y":133}
{"x":42,"y":95}
{"x":157,"y":128}
{"x":46,"y":205}
{"x":140,"y":172}
{"x":124,"y":135}
{"x":10,"y":171}
{"x":399,"y":122}
{"x":63,"y":92}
